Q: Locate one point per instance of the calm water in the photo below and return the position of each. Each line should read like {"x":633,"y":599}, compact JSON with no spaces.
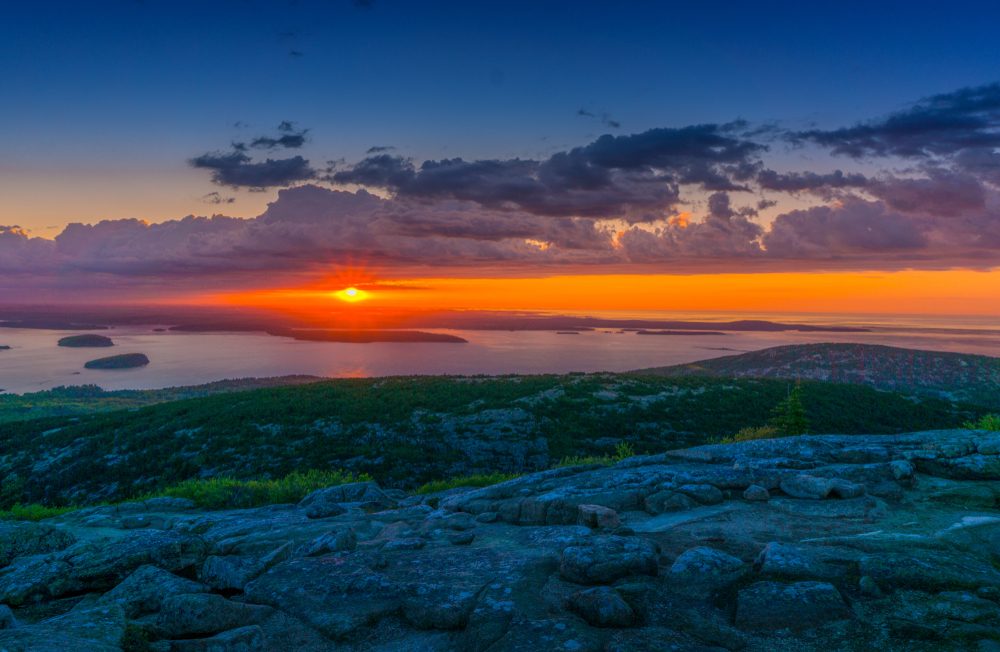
{"x":35,"y":362}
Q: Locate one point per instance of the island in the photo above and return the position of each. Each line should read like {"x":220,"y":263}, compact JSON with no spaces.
{"x":367,"y":336}
{"x":123,"y":361}
{"x":88,"y":340}
{"x":645,"y":332}
{"x":4,"y":347}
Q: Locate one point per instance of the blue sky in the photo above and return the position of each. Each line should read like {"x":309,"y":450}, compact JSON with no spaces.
{"x":151,"y":83}
{"x":546,"y":133}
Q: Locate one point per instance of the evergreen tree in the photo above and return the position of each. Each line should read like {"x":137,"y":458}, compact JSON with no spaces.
{"x":789,"y":416}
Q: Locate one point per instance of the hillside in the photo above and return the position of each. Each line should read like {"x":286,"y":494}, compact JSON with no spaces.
{"x":78,"y":400}
{"x":952,"y":376}
{"x":409,"y":430}
{"x":812,"y":544}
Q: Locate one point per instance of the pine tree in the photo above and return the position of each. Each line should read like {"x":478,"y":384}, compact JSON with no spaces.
{"x":789,"y":416}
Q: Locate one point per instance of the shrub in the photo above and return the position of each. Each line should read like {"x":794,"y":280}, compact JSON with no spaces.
{"x":480,"y":480}
{"x":223,"y":493}
{"x":989,"y":422}
{"x":622,"y":451}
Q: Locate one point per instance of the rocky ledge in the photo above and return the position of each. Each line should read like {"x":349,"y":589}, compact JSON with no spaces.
{"x":809,"y":543}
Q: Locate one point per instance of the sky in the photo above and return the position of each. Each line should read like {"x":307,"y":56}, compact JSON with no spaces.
{"x":543,"y":155}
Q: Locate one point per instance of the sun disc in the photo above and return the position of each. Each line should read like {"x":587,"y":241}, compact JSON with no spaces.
{"x":351,"y":294}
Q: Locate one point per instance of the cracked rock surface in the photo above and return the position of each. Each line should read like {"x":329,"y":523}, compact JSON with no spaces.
{"x":810,"y":543}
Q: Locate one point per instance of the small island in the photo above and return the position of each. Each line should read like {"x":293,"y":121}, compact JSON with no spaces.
{"x":123,"y":361}
{"x":367,"y":336}
{"x":4,"y":347}
{"x":88,"y":340}
{"x":645,"y":332}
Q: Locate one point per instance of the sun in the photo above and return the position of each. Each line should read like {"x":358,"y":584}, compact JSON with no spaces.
{"x":351,"y":295}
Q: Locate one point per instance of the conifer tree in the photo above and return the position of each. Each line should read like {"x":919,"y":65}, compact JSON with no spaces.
{"x":789,"y":416}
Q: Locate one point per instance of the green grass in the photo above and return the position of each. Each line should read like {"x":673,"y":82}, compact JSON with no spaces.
{"x":989,"y":422}
{"x":216,"y":493}
{"x":32,"y":512}
{"x":231,"y":493}
{"x":480,"y":480}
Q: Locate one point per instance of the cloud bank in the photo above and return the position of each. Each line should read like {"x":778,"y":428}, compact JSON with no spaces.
{"x":668,"y":199}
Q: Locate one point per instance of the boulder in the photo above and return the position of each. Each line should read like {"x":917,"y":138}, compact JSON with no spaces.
{"x":205,"y":613}
{"x":756,"y":493}
{"x":327,"y":502}
{"x":704,"y":568}
{"x":801,"y":605}
{"x":818,"y":488}
{"x":606,"y":558}
{"x":19,"y":538}
{"x":598,"y":517}
{"x":602,"y":606}
{"x":144,"y":591}
{"x":241,"y":639}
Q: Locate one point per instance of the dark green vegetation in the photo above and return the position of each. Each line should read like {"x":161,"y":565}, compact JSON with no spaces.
{"x":87,"y":399}
{"x":89,"y":340}
{"x":953,"y":376}
{"x":123,"y":361}
{"x":789,"y":417}
{"x":411,"y":430}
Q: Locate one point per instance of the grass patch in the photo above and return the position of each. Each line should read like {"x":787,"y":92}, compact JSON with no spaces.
{"x":622,"y":451}
{"x":230,"y":493}
{"x":989,"y":422}
{"x":32,"y":512}
{"x":480,"y":480}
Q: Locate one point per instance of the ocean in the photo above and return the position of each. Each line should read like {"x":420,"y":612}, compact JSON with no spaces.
{"x":35,"y":363}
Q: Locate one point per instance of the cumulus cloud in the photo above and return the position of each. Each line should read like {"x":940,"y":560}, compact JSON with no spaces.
{"x":852,"y":227}
{"x":636,"y":176}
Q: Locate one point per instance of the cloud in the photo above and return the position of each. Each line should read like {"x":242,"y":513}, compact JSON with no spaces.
{"x":604,"y":117}
{"x":637,"y":176}
{"x":942,"y":192}
{"x":216,"y":198}
{"x":854,"y":226}
{"x":236,"y":169}
{"x":378,"y":149}
{"x":940,"y":125}
{"x":821,"y":184}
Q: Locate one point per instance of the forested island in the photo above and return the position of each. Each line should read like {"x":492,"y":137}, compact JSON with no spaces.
{"x":86,"y":341}
{"x":123,"y":361}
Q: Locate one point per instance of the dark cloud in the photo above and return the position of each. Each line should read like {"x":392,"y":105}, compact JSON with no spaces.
{"x":794,"y":182}
{"x":940,"y":125}
{"x":378,"y":149}
{"x":290,"y":138}
{"x":636,"y":176}
{"x":236,"y":169}
{"x":604,"y":117}
{"x":296,"y":54}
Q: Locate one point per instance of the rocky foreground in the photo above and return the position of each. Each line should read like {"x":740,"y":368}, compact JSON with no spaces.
{"x":810,"y":543}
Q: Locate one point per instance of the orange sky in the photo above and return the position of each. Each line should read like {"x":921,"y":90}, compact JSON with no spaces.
{"x":953,"y":292}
